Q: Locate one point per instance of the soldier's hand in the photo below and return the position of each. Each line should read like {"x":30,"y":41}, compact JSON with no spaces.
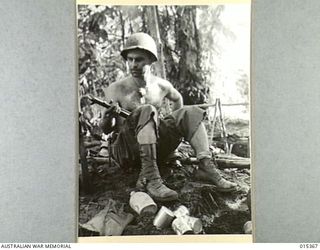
{"x":114,"y":108}
{"x":109,"y":122}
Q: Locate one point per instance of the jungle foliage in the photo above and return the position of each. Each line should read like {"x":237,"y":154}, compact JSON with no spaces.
{"x":186,"y":36}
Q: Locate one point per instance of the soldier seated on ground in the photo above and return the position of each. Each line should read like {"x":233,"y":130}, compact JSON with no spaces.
{"x":143,"y":136}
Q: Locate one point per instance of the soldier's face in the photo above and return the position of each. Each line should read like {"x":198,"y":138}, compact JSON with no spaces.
{"x":137,"y":61}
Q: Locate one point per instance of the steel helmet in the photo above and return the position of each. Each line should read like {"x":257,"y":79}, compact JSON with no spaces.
{"x":140,"y":41}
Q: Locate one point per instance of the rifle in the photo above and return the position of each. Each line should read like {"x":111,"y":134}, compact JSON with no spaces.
{"x":124,"y":113}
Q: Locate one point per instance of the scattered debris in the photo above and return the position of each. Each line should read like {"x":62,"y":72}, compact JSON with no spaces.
{"x":163,"y":218}
{"x":247,"y":227}
{"x":109,"y":221}
{"x":181,"y":226}
{"x":203,"y":209}
{"x":142,"y":203}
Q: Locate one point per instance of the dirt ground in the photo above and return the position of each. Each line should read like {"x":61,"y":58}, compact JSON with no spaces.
{"x":220,"y":213}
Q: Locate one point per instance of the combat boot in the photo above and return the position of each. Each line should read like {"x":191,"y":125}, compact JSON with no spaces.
{"x":150,"y":178}
{"x":208,"y":173}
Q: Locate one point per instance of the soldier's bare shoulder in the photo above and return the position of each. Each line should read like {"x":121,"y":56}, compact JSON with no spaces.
{"x":121,"y":86}
{"x":121,"y":83}
{"x":163,"y":84}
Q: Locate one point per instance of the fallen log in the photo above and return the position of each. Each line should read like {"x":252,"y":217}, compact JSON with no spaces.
{"x":233,"y":163}
{"x":223,"y":162}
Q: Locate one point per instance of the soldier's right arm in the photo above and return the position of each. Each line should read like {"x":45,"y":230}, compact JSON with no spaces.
{"x":109,"y":116}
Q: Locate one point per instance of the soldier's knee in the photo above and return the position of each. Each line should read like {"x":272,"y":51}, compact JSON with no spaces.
{"x":191,"y":110}
{"x":148,"y":108}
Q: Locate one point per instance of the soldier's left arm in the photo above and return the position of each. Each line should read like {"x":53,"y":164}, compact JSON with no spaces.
{"x":174,"y":96}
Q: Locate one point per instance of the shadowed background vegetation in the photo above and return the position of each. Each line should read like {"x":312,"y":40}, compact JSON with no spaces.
{"x":187,"y":39}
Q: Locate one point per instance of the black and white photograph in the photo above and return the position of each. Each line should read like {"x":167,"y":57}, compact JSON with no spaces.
{"x":164,"y":120}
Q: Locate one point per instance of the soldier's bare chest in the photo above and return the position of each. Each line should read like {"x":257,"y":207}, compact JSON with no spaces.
{"x":133,"y":96}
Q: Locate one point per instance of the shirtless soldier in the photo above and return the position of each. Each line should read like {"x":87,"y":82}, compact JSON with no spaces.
{"x":146,"y":138}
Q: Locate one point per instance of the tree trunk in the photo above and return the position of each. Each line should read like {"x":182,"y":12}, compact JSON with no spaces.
{"x":153,"y":27}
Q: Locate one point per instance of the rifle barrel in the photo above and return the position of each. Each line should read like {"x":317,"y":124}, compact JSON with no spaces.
{"x":124,"y":113}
